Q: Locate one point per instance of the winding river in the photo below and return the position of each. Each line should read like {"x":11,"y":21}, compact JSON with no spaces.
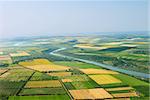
{"x":133,"y":73}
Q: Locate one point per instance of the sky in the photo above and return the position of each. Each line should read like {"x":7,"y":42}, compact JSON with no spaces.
{"x":64,"y":17}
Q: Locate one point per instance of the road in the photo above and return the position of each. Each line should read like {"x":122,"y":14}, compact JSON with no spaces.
{"x":129,"y":72}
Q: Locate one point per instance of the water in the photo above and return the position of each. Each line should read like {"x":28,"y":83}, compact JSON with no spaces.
{"x":133,"y":73}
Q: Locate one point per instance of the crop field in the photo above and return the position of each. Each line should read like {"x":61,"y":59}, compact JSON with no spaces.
{"x":9,"y":88}
{"x":84,"y":85}
{"x":60,"y":74}
{"x":77,"y":64}
{"x":41,"y":84}
{"x":43,"y":91}
{"x":119,"y":88}
{"x":89,"y":46}
{"x":139,"y":85}
{"x":98,"y":93}
{"x":4,"y":75}
{"x":37,"y":76}
{"x":120,"y":95}
{"x":2,"y":70}
{"x":45,"y":66}
{"x":16,"y":75}
{"x":78,"y":77}
{"x":97,"y":71}
{"x":104,"y":79}
{"x":5,"y":57}
{"x":36,"y":62}
{"x":117,"y":49}
{"x":23,"y":53}
{"x":66,"y":80}
{"x":46,"y":97}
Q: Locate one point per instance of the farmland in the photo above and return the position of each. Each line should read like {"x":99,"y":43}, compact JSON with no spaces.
{"x":45,"y":66}
{"x":98,"y":93}
{"x":40,"y":84}
{"x":97,"y":71}
{"x":104,"y":79}
{"x":31,"y":71}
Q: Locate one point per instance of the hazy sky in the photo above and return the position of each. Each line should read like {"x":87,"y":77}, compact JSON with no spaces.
{"x":71,"y":17}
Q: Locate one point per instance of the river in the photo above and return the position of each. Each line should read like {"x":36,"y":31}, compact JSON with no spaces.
{"x":129,"y":72}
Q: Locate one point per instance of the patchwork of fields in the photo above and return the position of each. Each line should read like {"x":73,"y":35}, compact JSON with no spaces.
{"x":76,"y":83}
{"x":30,"y":72}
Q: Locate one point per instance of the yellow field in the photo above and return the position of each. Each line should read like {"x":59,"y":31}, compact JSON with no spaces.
{"x":60,"y":74}
{"x":4,"y":75}
{"x":130,"y":94}
{"x":129,"y":45}
{"x":119,"y":88}
{"x":2,"y":71}
{"x":98,"y":93}
{"x":23,"y":53}
{"x":104,"y":79}
{"x":100,"y":47}
{"x":41,"y":84}
{"x":67,"y":80}
{"x":88,"y":46}
{"x":43,"y":65}
{"x":97,"y":71}
{"x":119,"y":99}
{"x":113,"y":43}
{"x":141,"y":42}
{"x":36,"y":62}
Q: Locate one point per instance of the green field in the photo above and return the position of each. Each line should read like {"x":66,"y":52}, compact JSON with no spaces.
{"x":84,"y":85}
{"x":128,"y":52}
{"x":18,"y":75}
{"x":9,"y":88}
{"x":40,"y":76}
{"x":141,"y":86}
{"x":77,"y":64}
{"x":47,"y":97}
{"x":42,"y":91}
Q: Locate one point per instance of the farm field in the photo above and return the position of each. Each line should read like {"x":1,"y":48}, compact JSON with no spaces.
{"x":98,"y":93}
{"x":46,"y":97}
{"x":2,"y":71}
{"x":31,"y":71}
{"x":16,"y":75}
{"x":43,"y":91}
{"x":45,"y":66}
{"x":60,"y":74}
{"x":104,"y":79}
{"x":37,"y":76}
{"x":41,"y":84}
{"x":19,"y":54}
{"x":97,"y":71}
{"x":77,"y":64}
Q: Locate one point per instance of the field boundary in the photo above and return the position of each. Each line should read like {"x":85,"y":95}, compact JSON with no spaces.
{"x":24,"y":84}
{"x":66,"y":89}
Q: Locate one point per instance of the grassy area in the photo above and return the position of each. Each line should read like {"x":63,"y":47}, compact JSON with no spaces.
{"x":69,"y":86}
{"x":17,"y":75}
{"x":41,"y":76}
{"x":41,"y":91}
{"x":76,"y":64}
{"x":78,"y":77}
{"x":84,"y":85}
{"x":47,"y":97}
{"x":141,"y":86}
{"x":9,"y":88}
{"x":114,"y":85}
